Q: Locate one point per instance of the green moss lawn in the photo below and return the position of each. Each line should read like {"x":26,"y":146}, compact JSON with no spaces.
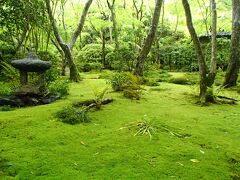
{"x":35,"y":145}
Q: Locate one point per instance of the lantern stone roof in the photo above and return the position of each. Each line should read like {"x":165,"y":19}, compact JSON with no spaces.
{"x":31,"y":64}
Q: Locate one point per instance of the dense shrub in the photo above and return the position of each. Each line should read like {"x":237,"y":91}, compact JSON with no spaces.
{"x":60,"y":87}
{"x":153,"y":76}
{"x":178,"y":54}
{"x":106,"y":74}
{"x":87,"y":67}
{"x":91,"y":58}
{"x":73,"y":116}
{"x":128,"y":83}
{"x":131,"y":93}
{"x":151,"y":82}
{"x":120,"y":81}
{"x":122,"y":60}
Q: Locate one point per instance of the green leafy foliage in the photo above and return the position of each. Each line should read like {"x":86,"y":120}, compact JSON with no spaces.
{"x":123,"y":60}
{"x":128,"y":83}
{"x":60,"y":87}
{"x":8,"y":72}
{"x":6,"y":88}
{"x":98,"y":96}
{"x":91,"y":55}
{"x":73,"y":116}
{"x":132,"y":93}
{"x":54,"y":72}
{"x":87,"y":67}
{"x":119,"y":80}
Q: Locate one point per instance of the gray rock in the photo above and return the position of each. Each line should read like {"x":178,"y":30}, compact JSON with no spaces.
{"x":27,"y":90}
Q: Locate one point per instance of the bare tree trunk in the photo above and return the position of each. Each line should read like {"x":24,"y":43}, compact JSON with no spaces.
{"x":149,"y":40}
{"x":67,"y":48}
{"x":234,"y":60}
{"x":198,"y":49}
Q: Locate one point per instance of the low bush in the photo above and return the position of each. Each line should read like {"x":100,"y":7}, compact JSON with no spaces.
{"x":87,"y":67}
{"x":156,"y":76}
{"x":106,"y":74}
{"x":73,"y":116}
{"x":121,"y":81}
{"x":150,"y":81}
{"x":132,"y":93}
{"x":179,"y":80}
{"x":128,"y":83}
{"x":60,"y":87}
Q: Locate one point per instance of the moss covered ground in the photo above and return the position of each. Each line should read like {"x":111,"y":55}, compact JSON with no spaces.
{"x":35,"y":145}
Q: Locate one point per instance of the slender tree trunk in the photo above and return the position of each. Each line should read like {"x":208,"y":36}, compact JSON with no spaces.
{"x":104,"y":48}
{"x":149,"y":40}
{"x":67,"y":48}
{"x":234,"y":60}
{"x":124,"y":4}
{"x":213,"y":67}
{"x":177,"y":20}
{"x":163,"y":13}
{"x":198,"y":49}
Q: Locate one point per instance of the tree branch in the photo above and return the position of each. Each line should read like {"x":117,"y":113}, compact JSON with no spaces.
{"x":78,"y":31}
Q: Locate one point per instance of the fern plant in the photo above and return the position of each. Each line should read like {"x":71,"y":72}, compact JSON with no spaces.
{"x":9,"y":72}
{"x":99,"y":96}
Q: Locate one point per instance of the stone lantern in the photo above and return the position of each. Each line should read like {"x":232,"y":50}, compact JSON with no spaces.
{"x":31,"y":64}
{"x":28,"y":94}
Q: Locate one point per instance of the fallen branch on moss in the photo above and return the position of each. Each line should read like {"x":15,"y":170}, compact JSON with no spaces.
{"x":228,"y":98}
{"x":92,"y":102}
